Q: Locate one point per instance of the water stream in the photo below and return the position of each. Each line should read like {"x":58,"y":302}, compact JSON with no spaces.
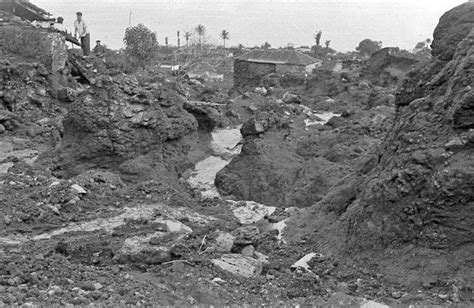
{"x":225,"y":145}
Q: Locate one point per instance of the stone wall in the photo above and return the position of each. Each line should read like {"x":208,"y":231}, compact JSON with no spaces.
{"x":36,"y":45}
{"x":250,"y":74}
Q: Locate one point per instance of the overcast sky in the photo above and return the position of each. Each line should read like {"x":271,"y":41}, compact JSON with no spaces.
{"x":400,"y":23}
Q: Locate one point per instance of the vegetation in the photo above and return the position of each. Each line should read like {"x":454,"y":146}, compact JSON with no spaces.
{"x":368,"y":47}
{"x":317,"y":37}
{"x":224,"y":36}
{"x":140,"y":44}
{"x":200,"y":31}
{"x":266,"y":45}
{"x":187,"y":36}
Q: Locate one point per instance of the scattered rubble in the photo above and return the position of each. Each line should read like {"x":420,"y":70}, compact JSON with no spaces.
{"x":137,"y":189}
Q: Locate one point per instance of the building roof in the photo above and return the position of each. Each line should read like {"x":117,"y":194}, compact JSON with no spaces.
{"x":25,"y":10}
{"x":278,"y":56}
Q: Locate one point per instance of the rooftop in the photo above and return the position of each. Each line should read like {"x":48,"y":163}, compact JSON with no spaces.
{"x":278,"y":56}
{"x":25,"y":10}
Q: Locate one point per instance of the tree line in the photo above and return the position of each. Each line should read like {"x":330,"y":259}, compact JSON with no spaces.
{"x":141,"y":44}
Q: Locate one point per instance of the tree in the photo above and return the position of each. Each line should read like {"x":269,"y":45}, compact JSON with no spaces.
{"x":327,"y":44}
{"x":140,"y":44}
{"x":317,"y":37}
{"x":224,"y":36}
{"x":166,"y":42}
{"x":201,"y":31}
{"x":368,"y":47}
{"x":179,"y":39}
{"x":266,"y":45}
{"x":187,"y":36}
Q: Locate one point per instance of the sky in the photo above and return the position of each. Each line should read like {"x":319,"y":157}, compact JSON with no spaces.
{"x":400,"y":23}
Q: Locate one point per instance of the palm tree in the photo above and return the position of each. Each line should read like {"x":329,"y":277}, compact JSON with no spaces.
{"x":187,"y":35}
{"x":224,"y":36}
{"x":200,"y":30}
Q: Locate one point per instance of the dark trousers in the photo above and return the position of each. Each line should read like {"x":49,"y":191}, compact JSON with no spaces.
{"x":86,"y":44}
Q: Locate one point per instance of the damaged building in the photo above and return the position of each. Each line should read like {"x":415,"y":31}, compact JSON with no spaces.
{"x":25,"y":9}
{"x":251,"y":67}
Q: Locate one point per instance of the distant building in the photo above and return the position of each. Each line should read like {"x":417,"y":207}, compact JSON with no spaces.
{"x":252,"y":66}
{"x":390,"y":57}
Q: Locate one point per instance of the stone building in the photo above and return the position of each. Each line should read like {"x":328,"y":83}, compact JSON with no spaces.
{"x":252,"y":66}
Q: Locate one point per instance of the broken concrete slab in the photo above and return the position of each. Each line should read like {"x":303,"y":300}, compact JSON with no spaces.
{"x":78,"y":189}
{"x":249,"y":212}
{"x":303,"y":262}
{"x":142,"y":249}
{"x":239,"y":265}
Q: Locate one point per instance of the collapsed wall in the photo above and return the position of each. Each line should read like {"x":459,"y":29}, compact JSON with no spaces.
{"x":35,"y":45}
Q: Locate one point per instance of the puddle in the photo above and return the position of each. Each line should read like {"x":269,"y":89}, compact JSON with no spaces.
{"x":225,"y":145}
{"x":226,"y":141}
{"x":204,"y":175}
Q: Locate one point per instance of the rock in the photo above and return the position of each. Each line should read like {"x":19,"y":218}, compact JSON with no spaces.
{"x":176,"y":227}
{"x":2,"y":129}
{"x":224,"y":242}
{"x":239,"y":265}
{"x":248,"y":251}
{"x":78,"y":189}
{"x":289,"y":98}
{"x":138,"y":249}
{"x":424,"y":167}
{"x":98,"y":286}
{"x":303,"y":262}
{"x":66,"y":95}
{"x":261,"y":91}
{"x":7,"y":220}
{"x":105,"y":128}
{"x":246,"y":235}
{"x":253,"y":127}
{"x":364,"y":85}
{"x":218,"y":280}
{"x":452,"y":28}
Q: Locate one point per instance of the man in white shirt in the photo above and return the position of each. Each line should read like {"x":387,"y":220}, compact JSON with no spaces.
{"x":59,"y":25}
{"x":81,"y":30}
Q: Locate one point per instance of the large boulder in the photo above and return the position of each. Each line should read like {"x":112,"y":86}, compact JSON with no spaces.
{"x":108,"y":126}
{"x":269,"y":171}
{"x":453,"y":27}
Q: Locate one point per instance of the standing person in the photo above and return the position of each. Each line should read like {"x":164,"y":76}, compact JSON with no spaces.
{"x":80,"y":28}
